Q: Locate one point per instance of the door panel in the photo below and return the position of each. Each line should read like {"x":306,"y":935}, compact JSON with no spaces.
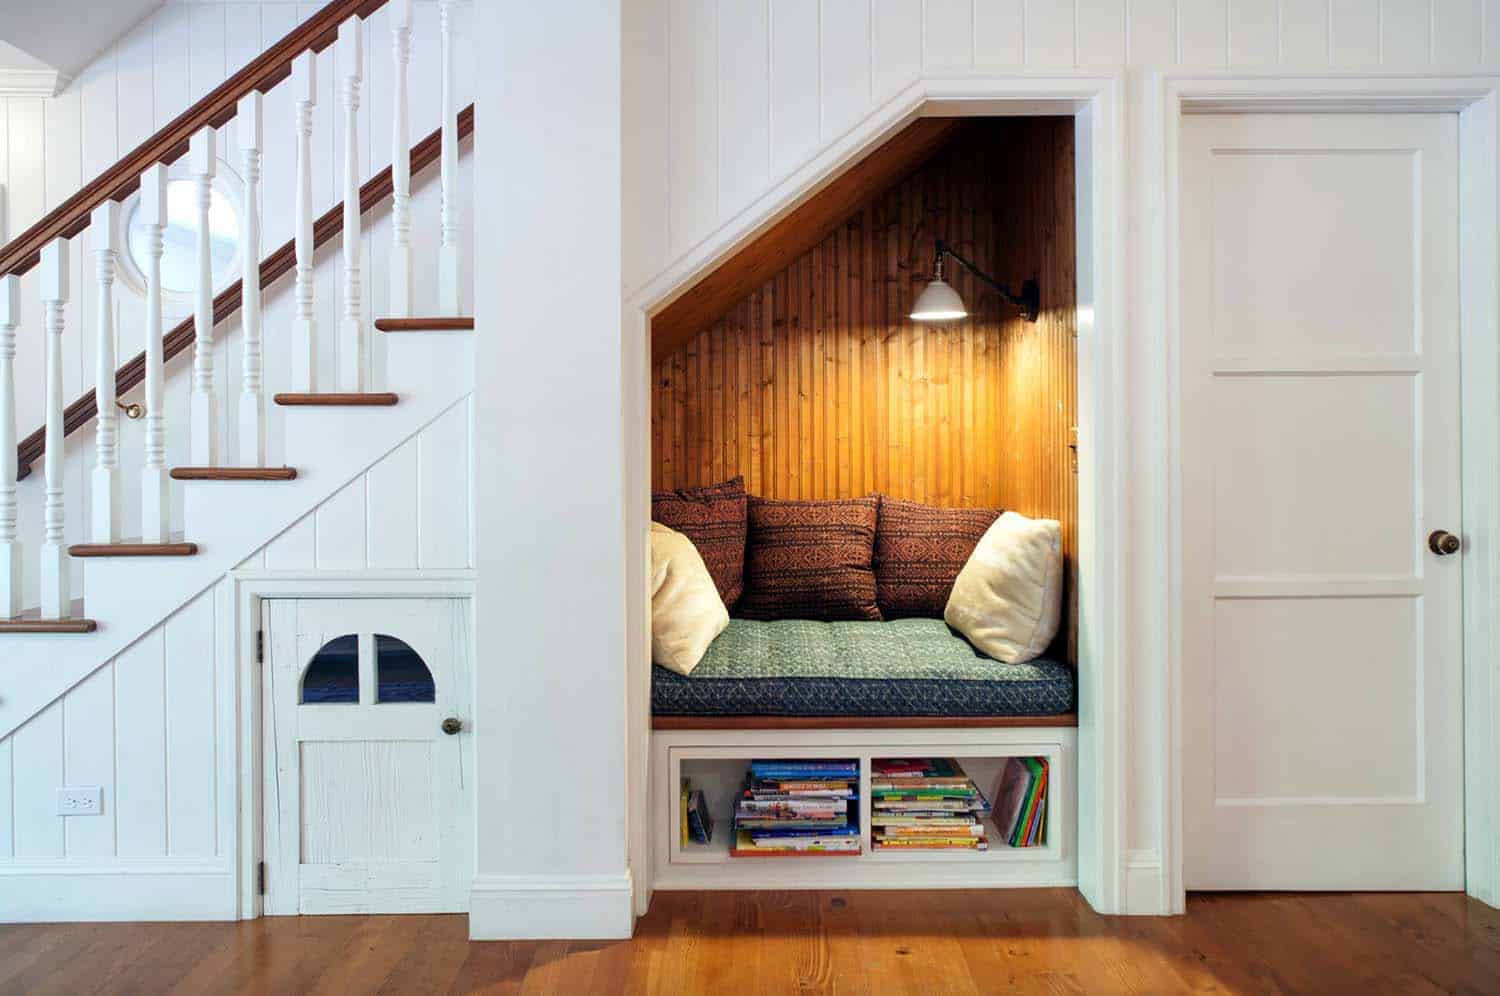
{"x":367,"y":806}
{"x":1322,"y":663}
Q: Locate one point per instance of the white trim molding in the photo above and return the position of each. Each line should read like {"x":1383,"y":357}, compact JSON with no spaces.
{"x":1476,"y":101}
{"x":1096,"y":102}
{"x":117,"y":889}
{"x":539,"y":907}
{"x":32,"y":82}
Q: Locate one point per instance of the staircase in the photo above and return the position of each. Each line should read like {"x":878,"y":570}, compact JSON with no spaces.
{"x":336,"y":424}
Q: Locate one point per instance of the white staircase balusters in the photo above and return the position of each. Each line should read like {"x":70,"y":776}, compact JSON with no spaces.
{"x":252,"y":435}
{"x":56,"y":593}
{"x":351,"y":328}
{"x":10,"y":547}
{"x":203,"y":428}
{"x":104,"y":515}
{"x":448,"y":253}
{"x":156,"y":505}
{"x":400,"y":276}
{"x":304,"y":328}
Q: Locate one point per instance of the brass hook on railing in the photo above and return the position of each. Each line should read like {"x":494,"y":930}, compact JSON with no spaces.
{"x":132,"y":411}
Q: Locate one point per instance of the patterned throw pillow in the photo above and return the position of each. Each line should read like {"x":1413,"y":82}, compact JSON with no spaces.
{"x":919,"y":550}
{"x":714,"y":519}
{"x":810,"y":560}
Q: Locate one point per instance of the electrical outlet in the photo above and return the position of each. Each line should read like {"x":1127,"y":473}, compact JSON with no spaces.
{"x":85,"y":801}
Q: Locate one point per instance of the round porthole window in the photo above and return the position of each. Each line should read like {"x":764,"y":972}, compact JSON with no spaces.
{"x":179,"y":260}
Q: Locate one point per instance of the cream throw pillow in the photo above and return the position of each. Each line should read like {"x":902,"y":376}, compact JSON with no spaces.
{"x":1008,"y":598}
{"x":686,"y":610}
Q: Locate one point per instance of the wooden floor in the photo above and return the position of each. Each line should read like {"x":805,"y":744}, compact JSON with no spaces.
{"x":1044,"y":941}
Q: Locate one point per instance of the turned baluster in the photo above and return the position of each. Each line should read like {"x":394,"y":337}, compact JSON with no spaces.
{"x":56,"y":594}
{"x":400,"y":303}
{"x":104,"y":230}
{"x":304,"y":327}
{"x":10,"y":548}
{"x":156,"y":505}
{"x":203,"y":426}
{"x":252,"y":435}
{"x":448,"y":253}
{"x":351,"y":331}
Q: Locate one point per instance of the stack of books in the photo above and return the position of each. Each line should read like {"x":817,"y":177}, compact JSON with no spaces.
{"x":792,"y":808}
{"x":925,"y":804}
{"x":697,"y":822}
{"x":1021,"y":801}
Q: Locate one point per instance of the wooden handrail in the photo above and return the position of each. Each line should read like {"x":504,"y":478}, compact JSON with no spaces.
{"x":274,"y":266}
{"x":216,"y":109}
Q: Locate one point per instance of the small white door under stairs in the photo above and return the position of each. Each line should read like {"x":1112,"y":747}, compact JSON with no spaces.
{"x":368,"y":771}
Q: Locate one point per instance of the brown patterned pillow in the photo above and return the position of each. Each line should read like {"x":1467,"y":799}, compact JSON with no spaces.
{"x":714,"y":519}
{"x":810,"y":560}
{"x":919,"y":550}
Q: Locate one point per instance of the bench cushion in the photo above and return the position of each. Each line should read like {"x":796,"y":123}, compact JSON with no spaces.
{"x":902,"y":667}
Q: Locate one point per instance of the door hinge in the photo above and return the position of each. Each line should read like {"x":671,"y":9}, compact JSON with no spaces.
{"x":260,"y":646}
{"x":260,"y":878}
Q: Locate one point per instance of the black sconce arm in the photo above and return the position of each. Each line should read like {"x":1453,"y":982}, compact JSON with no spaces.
{"x":1029,"y":301}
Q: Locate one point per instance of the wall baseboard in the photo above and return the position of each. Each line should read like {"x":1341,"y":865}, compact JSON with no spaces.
{"x":563,"y":907}
{"x":116,"y":889}
{"x":1144,"y":889}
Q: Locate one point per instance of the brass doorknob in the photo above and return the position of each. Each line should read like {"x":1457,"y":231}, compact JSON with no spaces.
{"x":452,"y":725}
{"x":1443,"y":543}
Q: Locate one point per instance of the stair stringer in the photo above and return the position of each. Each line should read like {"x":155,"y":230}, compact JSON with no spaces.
{"x":232,"y":520}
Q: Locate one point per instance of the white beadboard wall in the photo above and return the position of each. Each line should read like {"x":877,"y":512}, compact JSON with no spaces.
{"x":156,"y":727}
{"x":51,"y":147}
{"x":723,"y":99}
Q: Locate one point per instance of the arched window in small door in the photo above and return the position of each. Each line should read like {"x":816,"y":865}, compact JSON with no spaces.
{"x":400,"y":673}
{"x":333,"y":673}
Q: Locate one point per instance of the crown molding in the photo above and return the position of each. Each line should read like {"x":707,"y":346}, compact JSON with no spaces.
{"x":32,"y":82}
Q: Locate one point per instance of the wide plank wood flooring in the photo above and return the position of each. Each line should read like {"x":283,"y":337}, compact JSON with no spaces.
{"x":731,"y":943}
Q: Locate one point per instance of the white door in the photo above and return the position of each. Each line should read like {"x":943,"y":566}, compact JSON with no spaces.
{"x":1322,"y":642}
{"x":367,"y":782}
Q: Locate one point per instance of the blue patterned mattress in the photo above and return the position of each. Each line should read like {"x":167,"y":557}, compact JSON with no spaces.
{"x":902,"y":667}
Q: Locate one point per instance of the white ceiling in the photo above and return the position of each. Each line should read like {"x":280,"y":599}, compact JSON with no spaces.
{"x":43,"y":40}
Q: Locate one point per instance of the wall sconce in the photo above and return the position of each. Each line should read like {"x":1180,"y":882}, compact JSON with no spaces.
{"x":939,"y":302}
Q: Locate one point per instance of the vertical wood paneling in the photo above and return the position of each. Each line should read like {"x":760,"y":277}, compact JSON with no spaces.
{"x":141,"y":801}
{"x":191,"y":767}
{"x":947,"y":35}
{"x":26,"y":180}
{"x":644,"y":156}
{"x":391,"y":504}
{"x":1049,"y":34}
{"x":693,"y":112}
{"x":1203,"y":32}
{"x":89,"y":759}
{"x":36,"y":775}
{"x":1405,"y":33}
{"x":7,"y":795}
{"x":1304,"y":32}
{"x":896,"y":45}
{"x":172,"y":31}
{"x":1457,"y":35}
{"x":295,"y":549}
{"x":1152,"y":37}
{"x":744,"y":102}
{"x":443,"y":491}
{"x":999,"y":33}
{"x":1101,"y":33}
{"x":1253,"y":37}
{"x":1354,"y":38}
{"x":817,"y":386}
{"x":341,"y":529}
{"x":844,"y":37}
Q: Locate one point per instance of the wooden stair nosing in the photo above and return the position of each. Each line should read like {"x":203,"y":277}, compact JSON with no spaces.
{"x":370,"y":399}
{"x":234,"y":473}
{"x":441,"y":323}
{"x":133,"y":549}
{"x":47,"y":626}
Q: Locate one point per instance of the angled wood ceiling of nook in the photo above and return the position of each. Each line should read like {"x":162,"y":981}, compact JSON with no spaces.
{"x":798,"y":231}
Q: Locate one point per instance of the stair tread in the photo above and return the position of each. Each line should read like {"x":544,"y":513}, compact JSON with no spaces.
{"x":438,"y":323}
{"x":348,"y":398}
{"x":234,"y":473}
{"x":48,"y":626}
{"x":133,"y":549}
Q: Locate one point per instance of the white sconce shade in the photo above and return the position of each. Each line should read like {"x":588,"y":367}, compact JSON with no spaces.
{"x":938,"y":302}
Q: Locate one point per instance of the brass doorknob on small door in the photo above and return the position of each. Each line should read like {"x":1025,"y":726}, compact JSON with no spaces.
{"x":1443,"y":543}
{"x":452,"y":725}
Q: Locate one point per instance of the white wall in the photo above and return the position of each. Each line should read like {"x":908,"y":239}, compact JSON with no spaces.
{"x":49,"y":148}
{"x":724,"y":98}
{"x":156,"y":727}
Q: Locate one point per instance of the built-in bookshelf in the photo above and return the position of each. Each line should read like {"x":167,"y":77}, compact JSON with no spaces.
{"x":718,"y":763}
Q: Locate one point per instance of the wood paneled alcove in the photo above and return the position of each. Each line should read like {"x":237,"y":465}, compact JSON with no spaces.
{"x":815,"y":384}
